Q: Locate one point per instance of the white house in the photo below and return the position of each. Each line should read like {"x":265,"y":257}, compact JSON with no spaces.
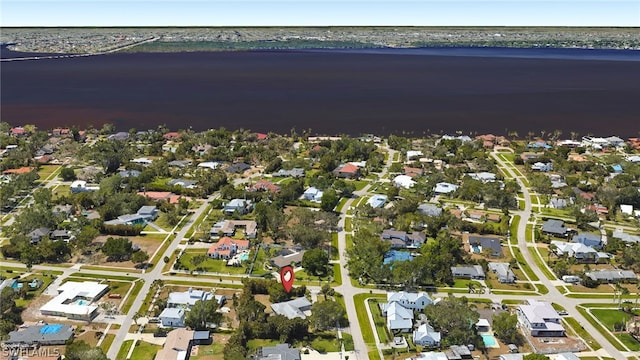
{"x":296,"y":308}
{"x":445,"y":188}
{"x":186,"y":299}
{"x":540,"y":319}
{"x":75,"y":300}
{"x":404,"y":181}
{"x":413,"y":301}
{"x":313,"y":194}
{"x":414,"y":154}
{"x":242,"y":206}
{"x":540,"y":166}
{"x":399,"y":318}
{"x":172,"y":317}
{"x":377,"y":201}
{"x":142,"y":161}
{"x":626,"y":209}
{"x":150,"y":213}
{"x":212,"y":165}
{"x":425,"y":335}
{"x":80,"y":186}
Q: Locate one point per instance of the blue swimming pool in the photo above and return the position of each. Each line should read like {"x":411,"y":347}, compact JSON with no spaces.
{"x":489,"y":340}
{"x":244,"y":257}
{"x":82,"y":302}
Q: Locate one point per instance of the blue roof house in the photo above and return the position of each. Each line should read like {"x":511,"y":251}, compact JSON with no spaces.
{"x":593,"y":240}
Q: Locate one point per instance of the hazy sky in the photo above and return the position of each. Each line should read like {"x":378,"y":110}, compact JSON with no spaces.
{"x":313,"y":12}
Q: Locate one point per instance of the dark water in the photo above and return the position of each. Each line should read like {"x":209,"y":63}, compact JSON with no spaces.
{"x":380,"y":91}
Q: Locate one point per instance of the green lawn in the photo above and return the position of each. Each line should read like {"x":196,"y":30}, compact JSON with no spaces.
{"x":365,"y":326}
{"x":335,"y":254}
{"x":301,"y":275}
{"x":541,"y":264}
{"x":106,"y":343}
{"x":378,"y":320}
{"x":145,"y":351}
{"x":341,"y":204}
{"x":209,"y":264}
{"x":347,"y":224}
{"x":255,"y":344}
{"x":629,"y":341}
{"x":124,"y":349}
{"x":612,"y":339}
{"x":215,"y":349}
{"x":611,"y":318}
{"x":524,"y":266}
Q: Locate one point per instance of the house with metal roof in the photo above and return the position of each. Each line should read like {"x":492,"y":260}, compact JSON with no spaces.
{"x":278,"y":352}
{"x":592,"y":240}
{"x":399,"y":318}
{"x":410,"y":300}
{"x":612,"y":276}
{"x":172,"y":317}
{"x":432,"y":210}
{"x":485,"y":244}
{"x":503,"y":272}
{"x":187,"y":299}
{"x":39,"y":335}
{"x":468,"y":272}
{"x":177,"y":346}
{"x":555,"y":228}
{"x":75,"y":300}
{"x":242,"y":206}
{"x":296,"y":308}
{"x":377,"y":201}
{"x":539,"y":318}
{"x":445,"y":188}
{"x":425,"y":335}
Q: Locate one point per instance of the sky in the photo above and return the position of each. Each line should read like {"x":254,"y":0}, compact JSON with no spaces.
{"x":319,"y":13}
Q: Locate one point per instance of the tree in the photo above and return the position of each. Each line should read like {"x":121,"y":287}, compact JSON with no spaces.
{"x":117,"y":249}
{"x":329,"y":200}
{"x":67,"y":174}
{"x":505,"y":326}
{"x":327,"y":314}
{"x":327,"y":290}
{"x":80,"y":350}
{"x":455,"y":319}
{"x":139,"y":257}
{"x":315,"y":262}
{"x":202,"y":314}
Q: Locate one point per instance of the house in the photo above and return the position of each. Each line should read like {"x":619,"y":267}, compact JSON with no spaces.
{"x":238,"y":168}
{"x":592,"y":240}
{"x":414,"y":154}
{"x":485,"y":245}
{"x":558,"y":203}
{"x":485,"y":177}
{"x":75,"y":300}
{"x":211,"y":165}
{"x":445,"y":188}
{"x":184,"y":183}
{"x":483,"y":325}
{"x":377,"y":201}
{"x":555,"y":228}
{"x":431,"y":355}
{"x":121,"y":135}
{"x":171,"y":135}
{"x":403,"y":181}
{"x":348,"y":171}
{"x":64,"y":235}
{"x":34,"y":336}
{"x":468,"y":272}
{"x":626,"y":209}
{"x":402,"y":239}
{"x":142,"y":161}
{"x":179,"y":163}
{"x":457,"y":352}
{"x":264,"y":185}
{"x":278,"y":352}
{"x":539,"y":318}
{"x":172,"y":317}
{"x":413,"y":301}
{"x":313,"y":194}
{"x":628,"y":238}
{"x":177,"y":345}
{"x":579,"y":251}
{"x":36,"y":235}
{"x":425,"y":335}
{"x":430,"y":210}
{"x":227,"y":247}
{"x":127,"y":219}
{"x":288,"y":257}
{"x":399,"y":318}
{"x":149,"y":213}
{"x":543,"y":167}
{"x":241,"y":206}
{"x":567,"y":356}
{"x":187,"y":299}
{"x":18,"y":131}
{"x":412,"y":171}
{"x":296,"y":308}
{"x":612,"y":276}
{"x":228,"y":228}
{"x":129,"y":173}
{"x":503,"y":272}
{"x":167,"y":196}
{"x":80,"y":186}
{"x":295,"y":173}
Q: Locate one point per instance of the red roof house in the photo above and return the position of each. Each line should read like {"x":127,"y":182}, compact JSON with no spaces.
{"x":227,"y":247}
{"x":348,"y":170}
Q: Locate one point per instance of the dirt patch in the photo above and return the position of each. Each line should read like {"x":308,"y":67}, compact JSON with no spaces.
{"x":146,"y":244}
{"x":554,"y":345}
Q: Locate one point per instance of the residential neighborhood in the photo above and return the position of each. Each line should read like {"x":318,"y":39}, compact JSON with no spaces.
{"x":160,"y":244}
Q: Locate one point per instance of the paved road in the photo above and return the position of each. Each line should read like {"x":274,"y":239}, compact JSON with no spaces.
{"x":554,"y":295}
{"x":148,"y":278}
{"x":347,"y":289}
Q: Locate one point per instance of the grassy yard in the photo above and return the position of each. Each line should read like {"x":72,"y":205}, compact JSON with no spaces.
{"x":347,"y":224}
{"x":335,"y":254}
{"x":214,"y":350}
{"x":541,"y":264}
{"x":341,"y":204}
{"x":524,"y":266}
{"x":614,"y":320}
{"x":378,"y":320}
{"x":132,"y":296}
{"x":628,"y":341}
{"x":612,"y":339}
{"x":145,"y":351}
{"x":106,"y":343}
{"x":124,"y":349}
{"x":209,"y":264}
{"x":302,"y":276}
{"x":365,"y":326}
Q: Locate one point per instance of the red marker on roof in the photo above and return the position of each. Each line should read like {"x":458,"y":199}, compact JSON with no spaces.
{"x":286,"y":278}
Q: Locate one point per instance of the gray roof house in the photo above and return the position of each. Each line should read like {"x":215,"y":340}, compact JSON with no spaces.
{"x":592,"y":240}
{"x":469,"y":272}
{"x":242,"y":206}
{"x":540,"y":319}
{"x":187,"y":184}
{"x":486,"y":244}
{"x":279,"y":352}
{"x":296,"y":308}
{"x":425,"y":335}
{"x":558,"y":203}
{"x":150,"y":213}
{"x":555,"y":227}
{"x":39,"y":335}
{"x":36,"y":235}
{"x":430,"y":210}
{"x":295,"y":172}
{"x":503,"y":272}
{"x":612,"y":276}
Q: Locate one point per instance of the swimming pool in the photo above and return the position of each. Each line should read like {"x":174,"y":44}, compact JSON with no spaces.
{"x":489,"y":340}
{"x":82,"y":302}
{"x":476,"y":249}
{"x":244,"y":257}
